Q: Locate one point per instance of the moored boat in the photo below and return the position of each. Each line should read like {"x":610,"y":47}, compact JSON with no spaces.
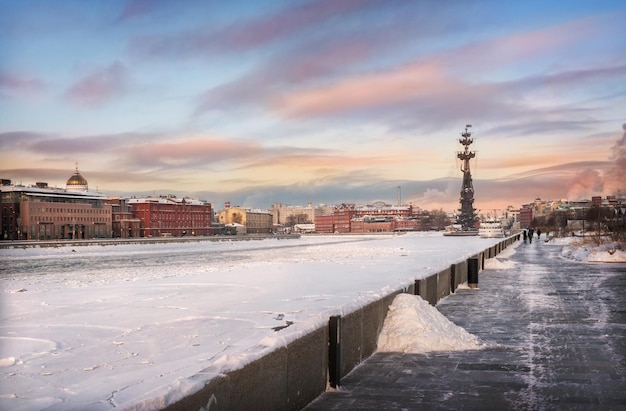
{"x":491,"y":229}
{"x":456,"y":230}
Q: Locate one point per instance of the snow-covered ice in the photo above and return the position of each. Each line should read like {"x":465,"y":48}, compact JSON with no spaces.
{"x":97,"y":327}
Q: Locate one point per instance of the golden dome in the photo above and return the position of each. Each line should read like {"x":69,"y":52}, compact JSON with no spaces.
{"x":77,"y":182}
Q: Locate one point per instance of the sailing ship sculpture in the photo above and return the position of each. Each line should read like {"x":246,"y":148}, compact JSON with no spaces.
{"x":467,"y":217}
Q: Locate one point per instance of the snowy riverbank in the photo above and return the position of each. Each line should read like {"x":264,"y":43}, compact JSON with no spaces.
{"x":103,"y":327}
{"x":579,"y":249}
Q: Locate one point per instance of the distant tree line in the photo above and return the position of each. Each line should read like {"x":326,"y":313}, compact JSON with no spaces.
{"x":600,"y":221}
{"x":301,"y":218}
{"x":434,"y":220}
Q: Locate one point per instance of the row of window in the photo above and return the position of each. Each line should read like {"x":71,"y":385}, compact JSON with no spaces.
{"x":169,"y":218}
{"x":179,"y":211}
{"x":70,"y":219}
{"x":68,"y":210}
{"x":160,"y":223}
{"x":62,"y":200}
{"x":49,"y":232}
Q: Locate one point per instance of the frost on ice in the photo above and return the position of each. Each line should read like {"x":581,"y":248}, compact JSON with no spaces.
{"x":414,"y":326}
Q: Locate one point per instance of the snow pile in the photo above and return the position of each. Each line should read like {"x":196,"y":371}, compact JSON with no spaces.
{"x":414,"y":326}
{"x":604,"y":253}
{"x":502,"y":262}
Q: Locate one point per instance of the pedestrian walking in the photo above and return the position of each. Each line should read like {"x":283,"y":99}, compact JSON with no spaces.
{"x":538,"y":233}
{"x":525,"y":235}
{"x":531,"y":232}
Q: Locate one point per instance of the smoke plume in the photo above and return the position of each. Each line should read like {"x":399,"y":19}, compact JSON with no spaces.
{"x":615,"y":178}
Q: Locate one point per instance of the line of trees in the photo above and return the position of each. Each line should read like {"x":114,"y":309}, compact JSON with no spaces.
{"x":600,"y":223}
{"x":301,"y":218}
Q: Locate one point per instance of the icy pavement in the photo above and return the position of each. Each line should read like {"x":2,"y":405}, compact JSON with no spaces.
{"x":555,"y":332}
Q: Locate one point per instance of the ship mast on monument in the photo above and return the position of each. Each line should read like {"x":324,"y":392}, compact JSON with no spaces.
{"x":467,"y":218}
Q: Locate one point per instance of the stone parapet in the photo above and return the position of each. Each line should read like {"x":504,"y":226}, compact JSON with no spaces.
{"x":292,"y":376}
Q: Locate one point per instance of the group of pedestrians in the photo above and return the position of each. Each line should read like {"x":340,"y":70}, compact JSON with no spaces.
{"x":529,"y":233}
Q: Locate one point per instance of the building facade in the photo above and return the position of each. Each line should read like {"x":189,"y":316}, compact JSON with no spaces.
{"x":40,"y":212}
{"x":124,"y":224}
{"x":171,"y":216}
{"x":288,"y":215}
{"x":255,"y":221}
{"x":377,"y":217}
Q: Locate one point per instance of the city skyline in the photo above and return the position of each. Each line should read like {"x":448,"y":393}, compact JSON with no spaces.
{"x":323,"y":101}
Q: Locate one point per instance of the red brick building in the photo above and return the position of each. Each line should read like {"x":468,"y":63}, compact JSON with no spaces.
{"x":325,"y":224}
{"x":379,"y":217}
{"x":171,"y":216}
{"x":363,"y":226}
{"x":124,"y":224}
{"x":40,"y":212}
{"x":526,"y":216}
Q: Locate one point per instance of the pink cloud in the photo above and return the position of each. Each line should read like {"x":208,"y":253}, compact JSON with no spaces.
{"x":297,"y":18}
{"x":248,"y":34}
{"x":520,"y":47}
{"x":100,"y":86}
{"x":300,"y":160}
{"x":194,"y":151}
{"x":417,"y":81}
{"x":136,"y":8}
{"x":21,"y":85}
{"x":443,"y":88}
{"x":79,"y":145}
{"x":286,"y":70}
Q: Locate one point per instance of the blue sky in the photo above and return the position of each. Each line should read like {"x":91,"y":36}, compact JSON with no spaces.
{"x":322,"y":101}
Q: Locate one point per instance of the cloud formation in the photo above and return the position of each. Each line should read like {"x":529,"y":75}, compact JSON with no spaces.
{"x":247,"y":34}
{"x":438,"y":89}
{"x":321,"y":100}
{"x":19,"y":85}
{"x":100,"y":86}
{"x":136,"y":8}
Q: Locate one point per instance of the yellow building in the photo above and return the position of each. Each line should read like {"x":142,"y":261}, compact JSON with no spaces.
{"x":255,"y":221}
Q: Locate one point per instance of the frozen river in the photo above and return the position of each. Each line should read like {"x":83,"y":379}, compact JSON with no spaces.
{"x":98,"y":327}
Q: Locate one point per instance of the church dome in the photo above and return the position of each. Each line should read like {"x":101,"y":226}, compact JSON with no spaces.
{"x":77,"y":182}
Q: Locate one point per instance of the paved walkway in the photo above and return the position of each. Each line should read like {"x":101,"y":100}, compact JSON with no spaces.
{"x":557,"y":336}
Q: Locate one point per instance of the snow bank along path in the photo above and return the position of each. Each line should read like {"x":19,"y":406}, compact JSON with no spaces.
{"x":414,"y":326}
{"x":137,"y":326}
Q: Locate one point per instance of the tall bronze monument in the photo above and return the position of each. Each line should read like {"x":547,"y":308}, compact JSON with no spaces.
{"x":467,"y":218}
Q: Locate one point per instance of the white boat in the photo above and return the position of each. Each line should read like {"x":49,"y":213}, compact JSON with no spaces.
{"x":491,"y":229}
{"x":456,"y":230}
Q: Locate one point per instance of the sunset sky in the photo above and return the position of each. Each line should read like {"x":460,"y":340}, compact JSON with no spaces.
{"x":329,"y":101}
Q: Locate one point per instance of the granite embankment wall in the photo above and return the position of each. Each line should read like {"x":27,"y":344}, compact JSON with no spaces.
{"x":138,"y":240}
{"x":292,"y":376}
